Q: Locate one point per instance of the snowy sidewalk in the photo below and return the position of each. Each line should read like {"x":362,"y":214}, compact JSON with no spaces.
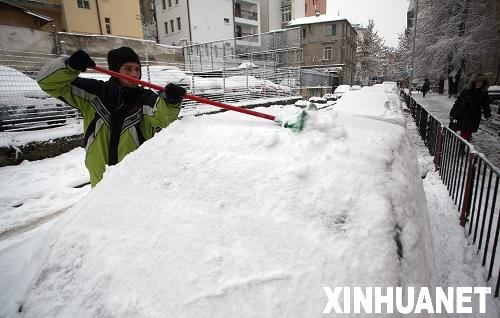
{"x":486,"y":140}
{"x":456,"y":261}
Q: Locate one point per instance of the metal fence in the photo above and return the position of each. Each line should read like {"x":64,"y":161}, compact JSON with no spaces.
{"x":245,"y":73}
{"x":23,"y":106}
{"x":269,"y":50}
{"x":473,"y":183}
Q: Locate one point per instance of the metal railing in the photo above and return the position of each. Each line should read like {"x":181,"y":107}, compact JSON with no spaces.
{"x":245,"y":14}
{"x":240,"y":81}
{"x":473,"y":183}
{"x":23,"y":105}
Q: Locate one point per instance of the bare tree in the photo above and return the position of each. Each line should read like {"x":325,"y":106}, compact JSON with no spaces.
{"x":453,"y":38}
{"x":370,"y":53}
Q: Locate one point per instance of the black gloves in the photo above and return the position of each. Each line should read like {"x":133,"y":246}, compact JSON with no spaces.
{"x":174,"y":93}
{"x":80,"y":60}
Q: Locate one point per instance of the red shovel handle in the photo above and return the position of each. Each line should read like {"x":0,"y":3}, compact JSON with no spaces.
{"x":188,"y":96}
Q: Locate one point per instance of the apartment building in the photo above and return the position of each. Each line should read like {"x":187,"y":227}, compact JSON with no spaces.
{"x":200,"y":21}
{"x":328,"y":42}
{"x":85,"y":16}
{"x":194,"y":21}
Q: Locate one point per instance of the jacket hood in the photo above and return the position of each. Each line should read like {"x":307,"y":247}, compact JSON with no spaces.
{"x":478,"y":78}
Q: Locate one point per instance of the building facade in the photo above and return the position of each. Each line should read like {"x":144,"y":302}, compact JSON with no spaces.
{"x":206,"y":21}
{"x":328,"y":43}
{"x":88,"y":16}
{"x":270,"y":15}
{"x":194,"y":21}
{"x":103,"y":17}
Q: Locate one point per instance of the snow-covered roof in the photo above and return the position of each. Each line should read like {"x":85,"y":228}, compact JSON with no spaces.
{"x":42,"y":17}
{"x":315,"y":19}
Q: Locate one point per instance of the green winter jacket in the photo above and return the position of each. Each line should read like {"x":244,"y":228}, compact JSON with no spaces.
{"x":116,"y":120}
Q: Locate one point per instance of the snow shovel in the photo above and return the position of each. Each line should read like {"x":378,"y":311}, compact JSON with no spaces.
{"x":296,"y":125}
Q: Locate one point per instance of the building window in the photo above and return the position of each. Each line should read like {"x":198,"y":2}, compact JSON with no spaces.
{"x":304,"y":34}
{"x":164,"y":6}
{"x":239,"y":33}
{"x":107,"y":22}
{"x":176,"y":1}
{"x":172,"y":25}
{"x":334,"y":30}
{"x":179,"y":23}
{"x":166,"y":27}
{"x":84,"y":4}
{"x":286,"y":14}
{"x":226,"y":20}
{"x":327,"y":53}
{"x":169,"y":3}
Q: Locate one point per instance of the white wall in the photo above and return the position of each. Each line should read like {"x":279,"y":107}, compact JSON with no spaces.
{"x":274,"y":15}
{"x":24,"y":39}
{"x":171,"y":13}
{"x":207,"y":20}
{"x":298,"y":9}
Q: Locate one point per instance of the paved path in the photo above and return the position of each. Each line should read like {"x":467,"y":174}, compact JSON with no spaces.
{"x":486,"y":140}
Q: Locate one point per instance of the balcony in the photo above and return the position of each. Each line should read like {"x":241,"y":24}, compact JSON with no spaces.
{"x":245,"y":14}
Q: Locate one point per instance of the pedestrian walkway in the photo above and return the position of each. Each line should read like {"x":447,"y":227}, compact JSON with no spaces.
{"x":486,"y":140}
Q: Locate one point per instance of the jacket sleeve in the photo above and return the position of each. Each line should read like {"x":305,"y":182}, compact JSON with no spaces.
{"x":161,"y":114}
{"x":486,"y":107}
{"x":62,"y":82}
{"x":457,"y":106}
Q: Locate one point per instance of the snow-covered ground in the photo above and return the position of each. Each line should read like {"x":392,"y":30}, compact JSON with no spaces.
{"x":227,"y":215}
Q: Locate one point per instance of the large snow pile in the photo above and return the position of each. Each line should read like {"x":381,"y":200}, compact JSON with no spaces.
{"x":232,"y":216}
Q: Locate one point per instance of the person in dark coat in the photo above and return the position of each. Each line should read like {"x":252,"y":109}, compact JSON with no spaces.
{"x":426,"y":87}
{"x":470,"y":105}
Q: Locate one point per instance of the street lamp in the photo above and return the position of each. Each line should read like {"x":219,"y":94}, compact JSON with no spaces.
{"x":413,"y":51}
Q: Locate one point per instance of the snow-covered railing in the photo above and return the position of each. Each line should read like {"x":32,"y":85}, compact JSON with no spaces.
{"x":473,"y":183}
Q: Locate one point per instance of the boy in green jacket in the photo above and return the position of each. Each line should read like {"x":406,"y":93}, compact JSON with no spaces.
{"x":118,"y":116}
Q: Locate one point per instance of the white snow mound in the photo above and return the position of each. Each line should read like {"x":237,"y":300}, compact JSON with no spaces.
{"x":233,"y":216}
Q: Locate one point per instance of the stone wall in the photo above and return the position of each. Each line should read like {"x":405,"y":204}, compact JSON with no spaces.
{"x":99,"y":45}
{"x":39,"y":150}
{"x":23,"y":39}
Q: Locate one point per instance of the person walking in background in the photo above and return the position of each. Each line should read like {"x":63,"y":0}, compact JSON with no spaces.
{"x":426,"y":87}
{"x":118,"y":116}
{"x":470,"y":105}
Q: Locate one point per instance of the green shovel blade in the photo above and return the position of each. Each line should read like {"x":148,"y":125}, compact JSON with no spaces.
{"x":298,"y":123}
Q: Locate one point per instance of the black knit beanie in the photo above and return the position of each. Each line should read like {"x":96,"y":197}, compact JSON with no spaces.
{"x":120,"y":56}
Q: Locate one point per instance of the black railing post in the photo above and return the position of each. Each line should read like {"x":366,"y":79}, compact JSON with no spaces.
{"x":468,"y":189}
{"x":438,"y":148}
